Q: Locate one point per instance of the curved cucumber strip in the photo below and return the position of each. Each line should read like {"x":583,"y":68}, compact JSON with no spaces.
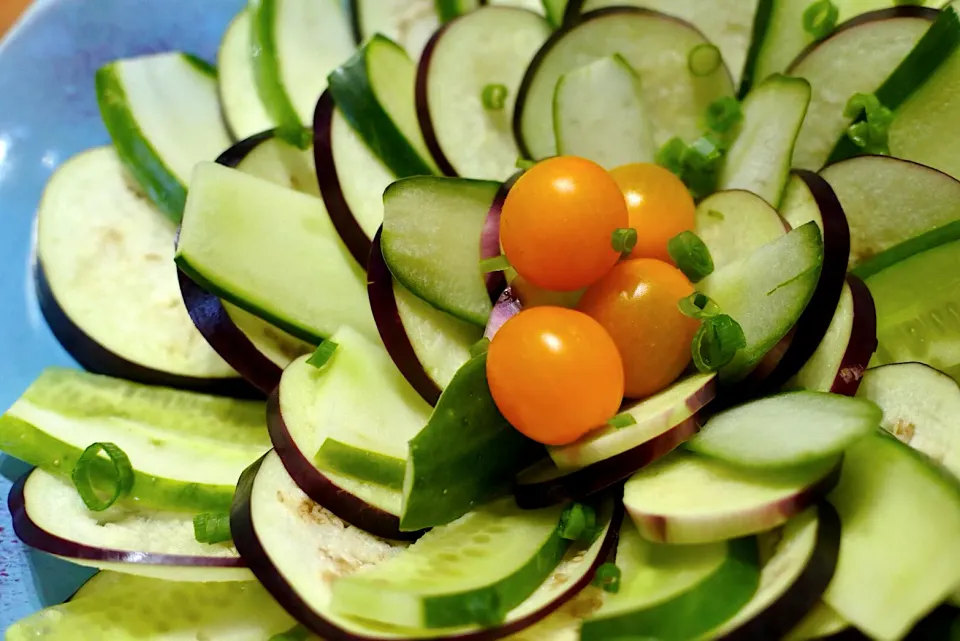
{"x":375,"y":91}
{"x":820,"y":371}
{"x":820,"y":623}
{"x":888,"y":201}
{"x":612,"y":132}
{"x":786,"y":430}
{"x":163,"y":114}
{"x":472,"y":571}
{"x":431,"y":241}
{"x":766,"y":293}
{"x":662,"y":584}
{"x":919,"y":407}
{"x":101,"y":247}
{"x":759,"y":160}
{"x":263,"y":268}
{"x":835,"y":70}
{"x":243,"y":111}
{"x":409,"y":23}
{"x":917,"y":315}
{"x":735,"y":223}
{"x":135,"y":609}
{"x":295,"y":44}
{"x":901,"y":522}
{"x":656,"y":46}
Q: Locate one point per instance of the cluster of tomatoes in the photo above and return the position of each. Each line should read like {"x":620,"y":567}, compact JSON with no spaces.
{"x":557,"y":373}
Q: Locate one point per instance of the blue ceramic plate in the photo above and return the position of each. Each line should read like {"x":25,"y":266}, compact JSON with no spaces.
{"x":48,"y":113}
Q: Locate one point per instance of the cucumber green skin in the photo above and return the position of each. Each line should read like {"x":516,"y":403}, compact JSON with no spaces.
{"x":468,"y":453}
{"x":688,"y":616}
{"x":452,"y":610}
{"x":266,"y":73}
{"x":363,"y":465}
{"x":936,"y":45}
{"x":134,"y":150}
{"x":449,"y":9}
{"x":27,"y":443}
{"x":761,"y":22}
{"x":929,"y":240}
{"x":357,"y":99}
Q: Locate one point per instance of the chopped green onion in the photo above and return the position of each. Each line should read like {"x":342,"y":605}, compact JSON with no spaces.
{"x":495,"y":264}
{"x":870,"y":134}
{"x":697,"y":164}
{"x":716,"y":342}
{"x":494,"y":97}
{"x":484,"y":608}
{"x":212,"y":528}
{"x":119,"y":476}
{"x":691,"y":256}
{"x":703,"y":154}
{"x":698,"y":306}
{"x":820,"y":18}
{"x":296,"y":135}
{"x":608,"y":577}
{"x":622,"y":420}
{"x":724,"y":114}
{"x":524,"y":163}
{"x":704,"y":59}
{"x":578,"y":523}
{"x":296,"y":633}
{"x":480,"y":347}
{"x":670,"y":156}
{"x":713,"y":213}
{"x":323,"y":354}
{"x":624,"y":240}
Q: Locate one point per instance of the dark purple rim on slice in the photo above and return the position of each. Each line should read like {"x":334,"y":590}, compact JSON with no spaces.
{"x":245,"y":538}
{"x":38,"y":538}
{"x":784,"y":614}
{"x":96,"y":358}
{"x":322,"y":490}
{"x":814,"y":322}
{"x":350,"y":231}
{"x":580,"y":484}
{"x":558,"y":35}
{"x":490,"y":237}
{"x":903,"y":11}
{"x":862,"y":343}
{"x":422,"y":103}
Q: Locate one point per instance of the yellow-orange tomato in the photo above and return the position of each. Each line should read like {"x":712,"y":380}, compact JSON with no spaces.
{"x":558,"y":220}
{"x":637,"y":304}
{"x":555,"y":374}
{"x":660,"y":207}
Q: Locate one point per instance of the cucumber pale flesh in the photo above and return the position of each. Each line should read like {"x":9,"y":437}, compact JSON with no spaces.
{"x":733,"y":224}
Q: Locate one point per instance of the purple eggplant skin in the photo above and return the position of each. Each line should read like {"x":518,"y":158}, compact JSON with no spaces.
{"x":96,"y":358}
{"x":36,"y":537}
{"x":863,"y":340}
{"x":249,"y":546}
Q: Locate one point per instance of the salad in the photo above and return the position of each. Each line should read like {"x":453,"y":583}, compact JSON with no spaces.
{"x":584,"y":320}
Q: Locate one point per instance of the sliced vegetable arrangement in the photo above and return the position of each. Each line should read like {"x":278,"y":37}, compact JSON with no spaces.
{"x":575,"y":320}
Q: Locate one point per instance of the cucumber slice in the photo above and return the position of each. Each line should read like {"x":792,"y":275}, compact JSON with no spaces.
{"x":888,"y":201}
{"x":834,"y":67}
{"x":49,"y":515}
{"x":282,"y":164}
{"x":409,"y":23}
{"x":726,"y":23}
{"x":243,"y":112}
{"x":438,"y":583}
{"x":431,"y":241}
{"x":187,"y":449}
{"x":655,"y":45}
{"x":661,"y":585}
{"x":759,"y":159}
{"x":919,"y":407}
{"x":802,"y":559}
{"x":490,"y":46}
{"x":100,"y":583}
{"x":261,"y":267}
{"x":294,"y":45}
{"x":915,"y":245}
{"x":92,"y":291}
{"x":138,"y":609}
{"x":375,"y":91}
{"x":733,"y":224}
{"x":767,"y":292}
{"x":901,"y":522}
{"x":612,"y":133}
{"x":822,"y":622}
{"x":653,"y":415}
{"x":690,"y":499}
{"x":466,"y":454}
{"x":787,"y":430}
{"x":163,"y":115}
{"x":916,"y":311}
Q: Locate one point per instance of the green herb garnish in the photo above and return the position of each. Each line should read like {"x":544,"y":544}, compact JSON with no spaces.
{"x":212,"y":528}
{"x":704,"y":59}
{"x":494,"y":97}
{"x":102,"y":494}
{"x":691,"y":256}
{"x":608,"y":578}
{"x":820,"y":18}
{"x":323,"y":354}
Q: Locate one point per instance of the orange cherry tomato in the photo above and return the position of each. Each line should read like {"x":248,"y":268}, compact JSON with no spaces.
{"x":660,"y":207}
{"x":555,"y":374}
{"x":637,"y":304}
{"x":558,"y":220}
